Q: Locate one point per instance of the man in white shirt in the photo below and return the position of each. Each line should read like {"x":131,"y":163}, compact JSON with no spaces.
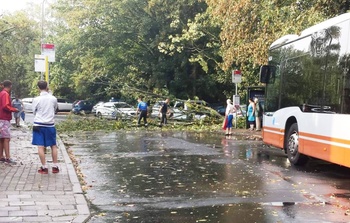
{"x":44,"y":131}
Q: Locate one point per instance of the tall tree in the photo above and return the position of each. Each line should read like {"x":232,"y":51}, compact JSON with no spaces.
{"x":125,"y":47}
{"x":18,"y":43}
{"x":250,"y":26}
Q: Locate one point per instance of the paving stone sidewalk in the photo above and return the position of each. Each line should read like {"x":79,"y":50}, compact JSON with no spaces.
{"x":27,"y":196}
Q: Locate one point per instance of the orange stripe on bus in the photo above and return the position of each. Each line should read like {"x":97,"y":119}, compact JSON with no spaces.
{"x":321,"y":150}
{"x":273,"y":138}
{"x":326,"y":138}
{"x":331,"y":153}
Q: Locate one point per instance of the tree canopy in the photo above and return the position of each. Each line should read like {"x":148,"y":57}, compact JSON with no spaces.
{"x":160,"y":48}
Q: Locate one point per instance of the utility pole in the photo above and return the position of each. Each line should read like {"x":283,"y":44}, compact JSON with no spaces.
{"x":42,"y":37}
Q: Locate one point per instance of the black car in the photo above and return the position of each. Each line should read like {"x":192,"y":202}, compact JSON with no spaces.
{"x":82,"y":106}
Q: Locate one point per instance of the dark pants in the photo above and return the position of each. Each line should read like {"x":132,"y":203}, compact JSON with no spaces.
{"x":143,"y":115}
{"x":163,"y":119}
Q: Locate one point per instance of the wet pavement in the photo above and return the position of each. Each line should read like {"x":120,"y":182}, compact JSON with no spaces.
{"x":203,"y":177}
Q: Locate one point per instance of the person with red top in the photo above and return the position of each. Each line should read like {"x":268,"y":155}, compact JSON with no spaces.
{"x":5,"y":117}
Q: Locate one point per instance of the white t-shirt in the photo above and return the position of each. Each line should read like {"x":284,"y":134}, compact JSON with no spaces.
{"x":230,"y":109}
{"x":44,"y":107}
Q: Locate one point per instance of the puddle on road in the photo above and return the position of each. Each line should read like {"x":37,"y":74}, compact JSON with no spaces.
{"x":180,"y":177}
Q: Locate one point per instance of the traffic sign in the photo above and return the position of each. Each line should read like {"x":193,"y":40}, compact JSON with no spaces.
{"x":39,"y":64}
{"x":48,"y":50}
{"x":236,"y":76}
{"x":236,"y":100}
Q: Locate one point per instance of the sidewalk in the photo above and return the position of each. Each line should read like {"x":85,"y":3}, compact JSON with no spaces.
{"x":27,"y":196}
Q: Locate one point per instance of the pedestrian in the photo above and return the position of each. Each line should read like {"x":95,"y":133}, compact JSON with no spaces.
{"x":44,"y":130}
{"x":17,"y":103}
{"x":163,"y":111}
{"x":142,"y":111}
{"x":258,"y":114}
{"x":229,"y":115}
{"x":251,"y":114}
{"x":5,"y":117}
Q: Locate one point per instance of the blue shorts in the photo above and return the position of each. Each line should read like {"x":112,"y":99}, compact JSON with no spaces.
{"x":229,"y":121}
{"x":44,"y":136}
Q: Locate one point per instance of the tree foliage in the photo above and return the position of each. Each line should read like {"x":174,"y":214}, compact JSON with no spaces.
{"x":159,"y":48}
{"x":124,"y":48}
{"x":19,"y":40}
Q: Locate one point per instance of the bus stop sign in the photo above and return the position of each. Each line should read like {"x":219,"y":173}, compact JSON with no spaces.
{"x":236,"y":76}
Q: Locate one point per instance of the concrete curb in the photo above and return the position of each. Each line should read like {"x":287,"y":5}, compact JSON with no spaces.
{"x":82,"y":205}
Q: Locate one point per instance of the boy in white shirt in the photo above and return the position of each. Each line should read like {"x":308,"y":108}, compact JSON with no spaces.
{"x":44,"y":130}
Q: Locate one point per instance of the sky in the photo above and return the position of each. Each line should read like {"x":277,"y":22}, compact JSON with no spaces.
{"x":13,"y":5}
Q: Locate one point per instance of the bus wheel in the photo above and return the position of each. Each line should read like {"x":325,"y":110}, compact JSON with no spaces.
{"x":292,"y":144}
{"x":99,"y":115}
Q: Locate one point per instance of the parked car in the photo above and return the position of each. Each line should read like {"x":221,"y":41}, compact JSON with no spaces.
{"x":63,"y":105}
{"x":95,"y":106}
{"x":221,"y":109}
{"x":27,"y":103}
{"x":115,"y":110}
{"x":241,"y":109}
{"x":82,"y":106}
{"x":155,"y":110}
{"x":193,"y":109}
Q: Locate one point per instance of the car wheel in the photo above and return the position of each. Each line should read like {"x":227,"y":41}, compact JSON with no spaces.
{"x":292,"y":146}
{"x":99,"y":115}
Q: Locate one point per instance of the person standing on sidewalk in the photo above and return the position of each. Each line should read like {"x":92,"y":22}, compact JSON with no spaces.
{"x":258,"y":114}
{"x":5,"y":117}
{"x":44,"y":130}
{"x":142,"y":111}
{"x":251,"y":114}
{"x":229,"y":115}
{"x":17,"y":103}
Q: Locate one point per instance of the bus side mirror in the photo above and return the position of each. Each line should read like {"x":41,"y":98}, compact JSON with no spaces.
{"x":264,"y":74}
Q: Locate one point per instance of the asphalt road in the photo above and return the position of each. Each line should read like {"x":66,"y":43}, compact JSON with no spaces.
{"x":178,"y":177}
{"x":60,"y":116}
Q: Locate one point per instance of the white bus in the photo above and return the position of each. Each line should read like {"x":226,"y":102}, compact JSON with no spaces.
{"x":307,"y":104}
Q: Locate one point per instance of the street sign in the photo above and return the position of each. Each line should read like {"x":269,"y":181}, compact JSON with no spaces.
{"x":48,"y":50}
{"x":236,"y":100}
{"x":39,"y":63}
{"x":236,"y":76}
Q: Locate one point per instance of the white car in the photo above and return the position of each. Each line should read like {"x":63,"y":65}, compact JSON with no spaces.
{"x":63,"y":105}
{"x":183,"y":108}
{"x":115,"y":110}
{"x":27,"y":104}
{"x":155,"y":109}
{"x":93,"y":111}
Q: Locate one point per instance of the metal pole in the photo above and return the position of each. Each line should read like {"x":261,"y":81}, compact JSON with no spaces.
{"x":47,"y":69}
{"x":42,"y":20}
{"x":235,"y":106}
{"x":42,"y":35}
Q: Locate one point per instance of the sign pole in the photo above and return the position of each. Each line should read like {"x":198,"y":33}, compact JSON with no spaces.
{"x":236,"y":79}
{"x":236,"y":85}
{"x":47,"y":69}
